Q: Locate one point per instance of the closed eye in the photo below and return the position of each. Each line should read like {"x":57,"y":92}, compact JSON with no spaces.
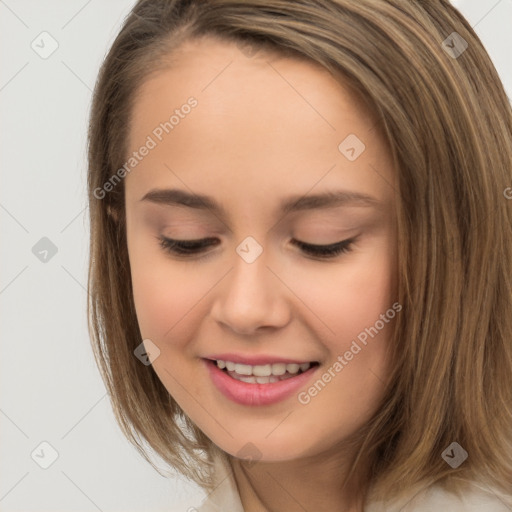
{"x":326,"y":251}
{"x":185,"y":248}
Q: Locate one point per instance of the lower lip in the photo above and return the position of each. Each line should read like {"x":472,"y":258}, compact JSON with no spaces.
{"x":245,"y":393}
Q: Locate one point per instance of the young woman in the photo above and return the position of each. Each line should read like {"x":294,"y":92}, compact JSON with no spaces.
{"x":301,"y":246}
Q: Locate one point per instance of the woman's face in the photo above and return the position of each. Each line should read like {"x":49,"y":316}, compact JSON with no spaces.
{"x":254,"y":132}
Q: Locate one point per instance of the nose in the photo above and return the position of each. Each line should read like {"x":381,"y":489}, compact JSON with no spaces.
{"x":251,"y":297}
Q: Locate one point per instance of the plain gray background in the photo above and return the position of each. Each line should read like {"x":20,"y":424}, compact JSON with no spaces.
{"x":50,"y":388}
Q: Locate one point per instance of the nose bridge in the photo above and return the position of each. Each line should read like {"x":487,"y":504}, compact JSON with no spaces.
{"x":250,"y":296}
{"x":249,"y":281}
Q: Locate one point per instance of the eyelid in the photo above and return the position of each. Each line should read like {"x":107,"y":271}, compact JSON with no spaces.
{"x":327,"y":251}
{"x":190,"y":248}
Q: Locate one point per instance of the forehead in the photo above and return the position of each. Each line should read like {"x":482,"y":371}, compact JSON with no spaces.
{"x":265,"y":85}
{"x":261,"y":123}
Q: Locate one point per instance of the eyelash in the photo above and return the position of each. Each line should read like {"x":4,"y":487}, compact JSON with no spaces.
{"x":186,"y":248}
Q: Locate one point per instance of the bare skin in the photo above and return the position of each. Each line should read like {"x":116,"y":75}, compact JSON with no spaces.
{"x":265,"y":128}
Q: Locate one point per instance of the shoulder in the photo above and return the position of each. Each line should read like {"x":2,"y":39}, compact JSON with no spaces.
{"x":477,"y":498}
{"x":224,"y":495}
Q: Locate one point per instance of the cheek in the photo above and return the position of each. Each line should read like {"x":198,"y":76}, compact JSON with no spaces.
{"x":165,"y":301}
{"x":166,"y":297}
{"x":351,"y":303}
{"x":351,"y":296}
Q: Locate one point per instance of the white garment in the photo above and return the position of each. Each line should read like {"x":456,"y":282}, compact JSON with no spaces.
{"x":225,"y":498}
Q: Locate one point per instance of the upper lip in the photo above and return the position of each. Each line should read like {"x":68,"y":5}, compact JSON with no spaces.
{"x":254,"y":360}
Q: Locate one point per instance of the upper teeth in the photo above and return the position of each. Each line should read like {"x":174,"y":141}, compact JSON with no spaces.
{"x":263,"y":370}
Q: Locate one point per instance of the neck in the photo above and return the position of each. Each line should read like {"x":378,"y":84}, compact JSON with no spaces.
{"x":309,"y":483}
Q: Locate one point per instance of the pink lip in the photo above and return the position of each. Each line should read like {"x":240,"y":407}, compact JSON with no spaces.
{"x":254,"y":360}
{"x":245,"y":393}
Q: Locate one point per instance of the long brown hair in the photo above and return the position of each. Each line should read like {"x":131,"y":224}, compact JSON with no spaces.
{"x":444,"y":113}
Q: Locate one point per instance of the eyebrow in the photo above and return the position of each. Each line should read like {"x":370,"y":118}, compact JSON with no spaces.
{"x":330,"y":199}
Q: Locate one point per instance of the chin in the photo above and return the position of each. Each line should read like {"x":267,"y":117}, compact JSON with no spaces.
{"x":265,"y":450}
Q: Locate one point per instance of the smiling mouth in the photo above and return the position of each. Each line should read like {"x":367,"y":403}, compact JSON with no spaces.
{"x":262,"y":374}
